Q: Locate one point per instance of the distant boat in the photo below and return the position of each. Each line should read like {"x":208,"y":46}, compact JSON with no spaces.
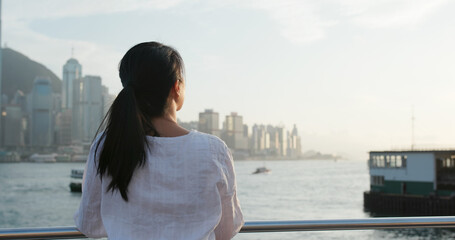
{"x":76,"y":186}
{"x":262,"y":170}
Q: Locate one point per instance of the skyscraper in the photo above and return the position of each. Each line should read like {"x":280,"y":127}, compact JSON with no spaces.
{"x":283,"y":140}
{"x":260,"y":140}
{"x":14,"y":126}
{"x":72,"y":70}
{"x":41,"y":118}
{"x":87,"y":108}
{"x":294,"y":143}
{"x":233,"y":133}
{"x":107,"y":99}
{"x":64,"y":127}
{"x":209,"y":122}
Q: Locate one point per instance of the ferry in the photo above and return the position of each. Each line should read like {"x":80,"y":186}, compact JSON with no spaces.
{"x":43,"y":158}
{"x":411,"y":183}
{"x":76,"y":185}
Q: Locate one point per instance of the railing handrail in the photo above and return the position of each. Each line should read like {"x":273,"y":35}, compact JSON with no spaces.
{"x":263,"y":226}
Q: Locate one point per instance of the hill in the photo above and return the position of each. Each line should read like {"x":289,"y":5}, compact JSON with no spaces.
{"x":19,"y":72}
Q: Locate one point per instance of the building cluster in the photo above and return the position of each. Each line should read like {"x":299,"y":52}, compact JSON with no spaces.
{"x":259,"y":140}
{"x":45,"y":119}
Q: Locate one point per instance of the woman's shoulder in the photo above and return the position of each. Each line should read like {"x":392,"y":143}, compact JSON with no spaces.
{"x":216,"y":142}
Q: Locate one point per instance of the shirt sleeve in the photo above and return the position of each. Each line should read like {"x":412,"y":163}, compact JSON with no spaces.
{"x":232,"y":218}
{"x":88,"y":217}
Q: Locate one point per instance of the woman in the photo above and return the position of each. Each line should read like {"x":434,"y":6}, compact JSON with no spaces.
{"x":148,"y":178}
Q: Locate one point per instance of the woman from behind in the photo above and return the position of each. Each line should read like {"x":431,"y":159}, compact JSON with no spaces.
{"x":148,"y":178}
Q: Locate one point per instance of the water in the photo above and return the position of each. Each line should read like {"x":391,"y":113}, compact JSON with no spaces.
{"x":37,"y":195}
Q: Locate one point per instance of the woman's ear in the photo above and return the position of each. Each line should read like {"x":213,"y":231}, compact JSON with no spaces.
{"x":177,"y":88}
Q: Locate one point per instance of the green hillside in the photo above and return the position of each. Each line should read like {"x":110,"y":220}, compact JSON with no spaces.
{"x":19,"y":72}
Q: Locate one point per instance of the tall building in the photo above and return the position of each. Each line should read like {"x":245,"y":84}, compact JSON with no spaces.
{"x":14,"y":133}
{"x":107,"y":99}
{"x":41,"y":126}
{"x":282,"y":140}
{"x":260,"y":140}
{"x":72,"y":70}
{"x":233,"y":132}
{"x":63,"y":125}
{"x":209,"y":122}
{"x":294,"y":143}
{"x":87,"y":109}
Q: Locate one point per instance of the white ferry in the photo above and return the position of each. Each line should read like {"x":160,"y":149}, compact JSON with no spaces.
{"x":43,"y":158}
{"x":76,"y":183}
{"x":412,"y":182}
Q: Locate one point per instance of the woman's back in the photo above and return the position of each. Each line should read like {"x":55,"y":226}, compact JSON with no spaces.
{"x":175,"y":185}
{"x":179,"y":193}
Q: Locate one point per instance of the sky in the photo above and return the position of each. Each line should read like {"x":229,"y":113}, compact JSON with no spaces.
{"x":350,"y":74}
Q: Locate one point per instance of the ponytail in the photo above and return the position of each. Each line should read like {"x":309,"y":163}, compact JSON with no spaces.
{"x":147,"y":71}
{"x":124,"y":139}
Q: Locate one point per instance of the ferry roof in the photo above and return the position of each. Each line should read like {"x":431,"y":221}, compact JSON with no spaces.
{"x":417,"y":151}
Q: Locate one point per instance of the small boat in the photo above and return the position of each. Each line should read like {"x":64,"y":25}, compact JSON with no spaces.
{"x":261,"y":170}
{"x":76,"y":186}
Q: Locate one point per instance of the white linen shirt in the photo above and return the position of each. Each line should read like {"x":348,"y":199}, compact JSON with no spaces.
{"x":185,"y":190}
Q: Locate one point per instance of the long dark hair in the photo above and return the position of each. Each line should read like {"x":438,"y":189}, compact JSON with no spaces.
{"x":148,"y":71}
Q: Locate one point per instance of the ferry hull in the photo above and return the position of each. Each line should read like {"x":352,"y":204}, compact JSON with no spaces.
{"x":75,"y":187}
{"x":408,"y":205}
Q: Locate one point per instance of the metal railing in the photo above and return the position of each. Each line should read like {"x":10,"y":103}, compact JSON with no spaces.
{"x":263,"y":226}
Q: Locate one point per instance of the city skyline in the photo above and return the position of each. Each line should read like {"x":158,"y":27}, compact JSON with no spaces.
{"x":348,"y":73}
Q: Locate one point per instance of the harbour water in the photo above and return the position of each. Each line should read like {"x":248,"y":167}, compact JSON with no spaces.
{"x":37,"y":195}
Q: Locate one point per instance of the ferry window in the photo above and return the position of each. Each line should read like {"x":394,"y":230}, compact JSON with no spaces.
{"x":398,"y":163}
{"x":403,"y":161}
{"x":377,"y":180}
{"x":387,"y":161}
{"x":372,"y":161}
{"x":392,"y":161}
{"x":448,"y":163}
{"x":375,"y":162}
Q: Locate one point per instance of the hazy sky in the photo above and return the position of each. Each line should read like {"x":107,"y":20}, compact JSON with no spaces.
{"x":346,"y":72}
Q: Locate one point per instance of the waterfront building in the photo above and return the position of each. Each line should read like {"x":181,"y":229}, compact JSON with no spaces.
{"x":412,"y":182}
{"x":63,"y":127}
{"x":233,"y":132}
{"x":41,"y":125}
{"x":87,"y":112}
{"x":19,"y":99}
{"x":192,"y":125}
{"x":282,"y":135}
{"x":107,"y":99}
{"x":260,"y":140}
{"x":72,"y":70}
{"x":274,"y":140}
{"x":294,"y":143}
{"x":209,"y":122}
{"x":9,"y":156}
{"x":14,"y":127}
